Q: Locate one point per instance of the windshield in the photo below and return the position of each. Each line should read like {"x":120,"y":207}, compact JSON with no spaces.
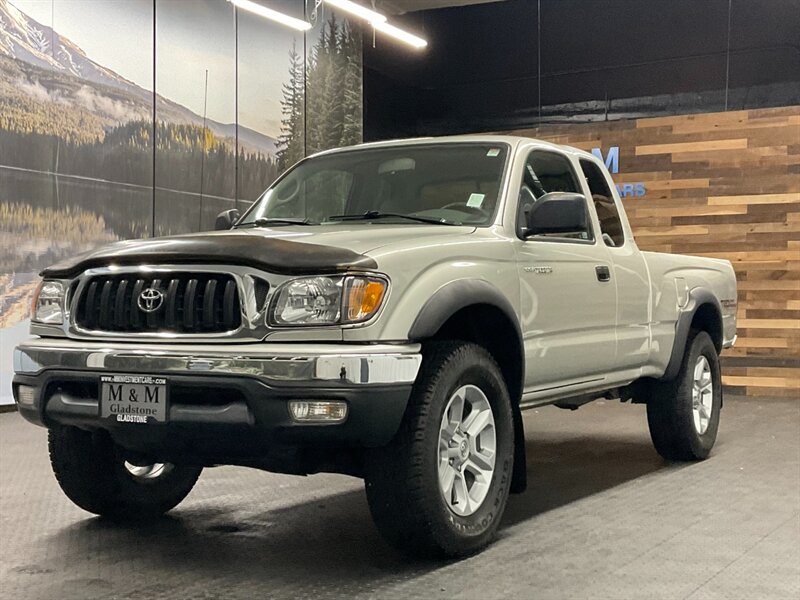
{"x":450,"y":183}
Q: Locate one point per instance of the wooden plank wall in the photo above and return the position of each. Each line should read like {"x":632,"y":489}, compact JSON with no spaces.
{"x":723,"y":185}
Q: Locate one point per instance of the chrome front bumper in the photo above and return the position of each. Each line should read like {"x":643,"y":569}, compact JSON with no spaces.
{"x":227,"y":403}
{"x":275,"y":363}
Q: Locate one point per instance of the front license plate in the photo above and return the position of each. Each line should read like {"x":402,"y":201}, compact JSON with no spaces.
{"x":133,"y":398}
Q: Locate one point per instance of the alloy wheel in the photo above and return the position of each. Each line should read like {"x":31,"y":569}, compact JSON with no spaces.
{"x":702,"y":394}
{"x":467,"y":447}
{"x":153,"y":471}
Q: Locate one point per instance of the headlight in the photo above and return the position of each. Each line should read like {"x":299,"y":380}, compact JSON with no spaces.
{"x":47,"y":305}
{"x":328,"y":300}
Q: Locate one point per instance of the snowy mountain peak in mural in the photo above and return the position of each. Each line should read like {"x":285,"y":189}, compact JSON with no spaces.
{"x":26,"y":39}
{"x":105,"y":93}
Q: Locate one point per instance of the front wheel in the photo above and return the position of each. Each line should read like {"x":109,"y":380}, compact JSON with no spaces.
{"x":683,"y":414}
{"x":441,"y":485}
{"x":96,"y":475}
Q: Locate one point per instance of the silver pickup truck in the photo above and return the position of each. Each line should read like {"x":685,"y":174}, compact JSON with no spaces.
{"x":385,"y":311}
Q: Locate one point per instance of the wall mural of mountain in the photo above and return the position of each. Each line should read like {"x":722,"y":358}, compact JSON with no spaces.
{"x":25,"y":39}
{"x":84,"y":162}
{"x":104,"y":91}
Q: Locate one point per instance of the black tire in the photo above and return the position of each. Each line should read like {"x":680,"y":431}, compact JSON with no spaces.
{"x":402,"y":480}
{"x":91,"y":471}
{"x":669,"y":409}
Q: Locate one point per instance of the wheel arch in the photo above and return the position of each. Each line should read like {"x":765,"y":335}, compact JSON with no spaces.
{"x":703,"y":313}
{"x":476,"y":311}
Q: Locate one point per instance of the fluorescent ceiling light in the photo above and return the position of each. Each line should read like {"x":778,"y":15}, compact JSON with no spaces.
{"x":358,"y":10}
{"x":378,"y":21}
{"x":400,"y":34}
{"x":273,"y":15}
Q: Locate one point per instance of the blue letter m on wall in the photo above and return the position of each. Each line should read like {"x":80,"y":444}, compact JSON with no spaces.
{"x":611,"y":159}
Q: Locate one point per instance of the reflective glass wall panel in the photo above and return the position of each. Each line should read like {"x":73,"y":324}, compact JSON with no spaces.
{"x":123,"y":119}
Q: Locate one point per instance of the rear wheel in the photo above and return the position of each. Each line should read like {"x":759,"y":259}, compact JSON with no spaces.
{"x":441,"y":486}
{"x":97,"y":476}
{"x":683,"y":414}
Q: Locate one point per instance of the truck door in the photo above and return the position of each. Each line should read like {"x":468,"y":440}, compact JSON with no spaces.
{"x":629,"y":271}
{"x":568,"y":301}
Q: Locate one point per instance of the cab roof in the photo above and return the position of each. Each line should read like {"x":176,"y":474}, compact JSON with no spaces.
{"x":512,"y":140}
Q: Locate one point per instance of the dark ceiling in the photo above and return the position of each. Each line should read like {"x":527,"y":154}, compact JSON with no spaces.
{"x":517,"y":63}
{"x":404,"y":6}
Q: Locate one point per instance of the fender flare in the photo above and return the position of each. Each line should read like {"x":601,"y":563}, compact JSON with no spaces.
{"x":697,"y":297}
{"x":452,"y":297}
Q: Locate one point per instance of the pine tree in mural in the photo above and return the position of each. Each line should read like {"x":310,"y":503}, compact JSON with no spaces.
{"x":330,"y":120}
{"x":331,"y":114}
{"x":318,"y":86}
{"x":291,"y":142}
{"x":351,"y":84}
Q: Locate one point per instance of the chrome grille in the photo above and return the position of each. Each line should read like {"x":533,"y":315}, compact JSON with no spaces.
{"x":182,"y":303}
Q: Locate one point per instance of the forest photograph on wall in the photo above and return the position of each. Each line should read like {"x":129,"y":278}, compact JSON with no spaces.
{"x":111,"y":133}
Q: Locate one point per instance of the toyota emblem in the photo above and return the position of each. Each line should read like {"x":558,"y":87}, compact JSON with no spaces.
{"x":150,"y":300}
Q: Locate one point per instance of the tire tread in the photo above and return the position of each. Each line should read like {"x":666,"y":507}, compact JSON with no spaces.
{"x":669,"y":409}
{"x":88,"y":468}
{"x":403,"y":515}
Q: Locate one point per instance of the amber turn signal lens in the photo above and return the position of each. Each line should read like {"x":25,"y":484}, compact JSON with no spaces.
{"x":364,"y":297}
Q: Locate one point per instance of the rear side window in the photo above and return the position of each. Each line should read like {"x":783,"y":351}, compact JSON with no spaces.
{"x":603,"y":199}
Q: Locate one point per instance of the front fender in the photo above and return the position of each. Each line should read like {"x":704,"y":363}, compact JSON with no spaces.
{"x":420,"y":274}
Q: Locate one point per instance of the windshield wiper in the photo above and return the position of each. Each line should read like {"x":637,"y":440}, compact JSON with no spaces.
{"x":264,"y":222}
{"x":374,"y":214}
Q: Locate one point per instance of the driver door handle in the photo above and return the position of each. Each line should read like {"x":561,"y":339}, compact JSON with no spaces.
{"x":603,"y":273}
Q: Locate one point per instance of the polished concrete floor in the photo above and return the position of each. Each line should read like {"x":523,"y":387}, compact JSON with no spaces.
{"x":604,"y":517}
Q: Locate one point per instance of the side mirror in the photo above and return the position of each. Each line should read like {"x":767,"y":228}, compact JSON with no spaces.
{"x":557,"y":212}
{"x":226,"y":219}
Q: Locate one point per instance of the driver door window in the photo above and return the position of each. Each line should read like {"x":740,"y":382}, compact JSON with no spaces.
{"x":547,"y":172}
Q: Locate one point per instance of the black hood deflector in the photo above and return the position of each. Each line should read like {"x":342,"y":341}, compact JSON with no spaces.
{"x":245,"y":248}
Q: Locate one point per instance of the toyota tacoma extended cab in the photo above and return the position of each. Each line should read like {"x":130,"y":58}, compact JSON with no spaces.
{"x":384,"y":311}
